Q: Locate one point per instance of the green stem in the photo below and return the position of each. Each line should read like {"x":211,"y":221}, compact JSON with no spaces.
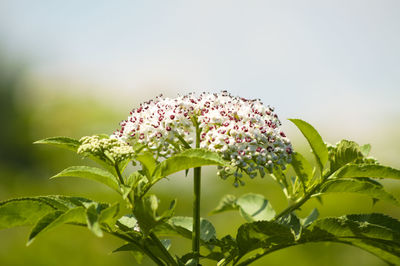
{"x":157,"y":242}
{"x":121,"y":179}
{"x":196,"y":206}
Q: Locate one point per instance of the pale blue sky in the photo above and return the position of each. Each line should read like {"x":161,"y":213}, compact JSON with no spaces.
{"x":334,"y":63}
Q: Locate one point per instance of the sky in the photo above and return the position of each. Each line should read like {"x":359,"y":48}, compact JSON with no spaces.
{"x":335,"y":63}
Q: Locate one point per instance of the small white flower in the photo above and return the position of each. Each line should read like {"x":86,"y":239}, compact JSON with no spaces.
{"x":244,"y":131}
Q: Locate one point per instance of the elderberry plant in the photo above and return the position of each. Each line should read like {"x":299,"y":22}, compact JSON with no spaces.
{"x":243,"y":139}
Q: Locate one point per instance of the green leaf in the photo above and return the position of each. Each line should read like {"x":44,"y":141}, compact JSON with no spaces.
{"x":187,"y":159}
{"x":262,"y":234}
{"x":92,"y":219}
{"x":23,"y":211}
{"x":134,"y":248}
{"x":302,"y":168}
{"x":292,"y":222}
{"x":314,"y":139}
{"x":109,"y":215}
{"x":376,"y":233}
{"x":227,"y":203}
{"x":148,"y":162}
{"x":310,"y":218}
{"x":365,"y":149}
{"x":92,"y":173}
{"x":145,"y":212}
{"x":360,"y":186}
{"x":61,"y":142}
{"x":254,"y":207}
{"x":182,"y":225}
{"x":367,"y":170}
{"x":345,"y":152}
{"x":57,"y":218}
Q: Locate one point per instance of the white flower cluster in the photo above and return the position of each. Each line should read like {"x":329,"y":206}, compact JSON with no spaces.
{"x":117,"y":149}
{"x":244,"y":131}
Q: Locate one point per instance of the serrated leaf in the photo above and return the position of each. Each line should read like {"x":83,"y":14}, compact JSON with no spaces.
{"x":367,"y":170}
{"x":227,"y":203}
{"x":345,"y":152}
{"x":376,"y":233}
{"x":262,"y":234}
{"x":92,"y":173}
{"x":310,"y":218}
{"x":254,"y":207}
{"x":57,"y":218}
{"x":61,"y":142}
{"x":292,"y":222}
{"x":359,"y":186}
{"x":23,"y":211}
{"x":314,"y":139}
{"x":302,"y":168}
{"x":187,"y":159}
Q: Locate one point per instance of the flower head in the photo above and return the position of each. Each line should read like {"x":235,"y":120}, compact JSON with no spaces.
{"x":116,"y":149}
{"x":245,"y":132}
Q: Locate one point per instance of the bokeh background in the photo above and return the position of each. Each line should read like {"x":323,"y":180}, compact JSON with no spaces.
{"x":77,"y":68}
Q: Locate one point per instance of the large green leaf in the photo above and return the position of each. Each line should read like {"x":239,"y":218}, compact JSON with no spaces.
{"x":302,"y":168}
{"x":23,"y":211}
{"x":314,"y":139}
{"x":92,"y":173}
{"x":54,"y":219}
{"x":190,"y":158}
{"x":262,"y":234}
{"x":61,"y":142}
{"x":376,"y":233}
{"x":367,"y":170}
{"x":360,"y":186}
{"x":252,"y":207}
{"x":50,"y":211}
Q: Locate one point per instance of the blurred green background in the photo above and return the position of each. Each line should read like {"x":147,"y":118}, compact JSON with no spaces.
{"x":77,"y":69}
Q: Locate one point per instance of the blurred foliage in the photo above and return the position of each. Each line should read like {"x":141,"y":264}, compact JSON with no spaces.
{"x":25,"y":168}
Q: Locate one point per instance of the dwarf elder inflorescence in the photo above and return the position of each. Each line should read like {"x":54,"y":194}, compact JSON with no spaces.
{"x":244,"y":131}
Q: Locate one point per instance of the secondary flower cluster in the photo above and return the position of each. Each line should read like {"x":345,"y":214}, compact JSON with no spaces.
{"x":117,"y":149}
{"x":244,"y":131}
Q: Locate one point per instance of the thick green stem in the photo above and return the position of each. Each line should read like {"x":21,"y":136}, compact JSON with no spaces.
{"x":196,"y":206}
{"x":196,"y":214}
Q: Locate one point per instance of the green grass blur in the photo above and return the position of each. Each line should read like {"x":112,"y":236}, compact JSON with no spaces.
{"x":29,"y":112}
